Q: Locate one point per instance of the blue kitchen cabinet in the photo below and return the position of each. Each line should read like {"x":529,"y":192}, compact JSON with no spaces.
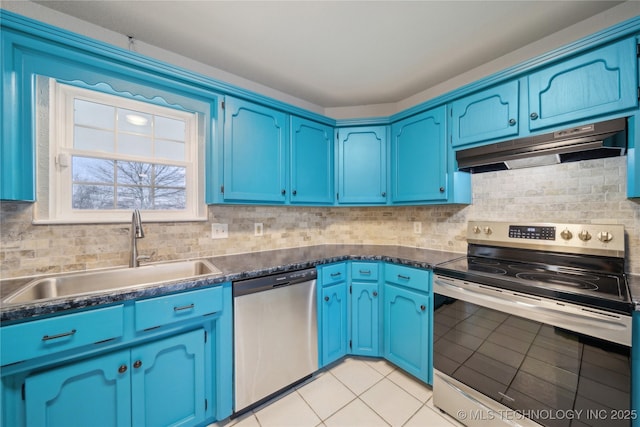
{"x":161,"y":383}
{"x":419,"y":157}
{"x":96,"y":390}
{"x":312,"y":162}
{"x":365,"y":309}
{"x":600,"y":82}
{"x":407,"y":320}
{"x":255,"y":153}
{"x":333,"y":308}
{"x":633,"y":156}
{"x":486,"y":115}
{"x":362,"y":165}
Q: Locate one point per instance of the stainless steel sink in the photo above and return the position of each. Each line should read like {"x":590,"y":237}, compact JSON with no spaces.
{"x":106,"y":280}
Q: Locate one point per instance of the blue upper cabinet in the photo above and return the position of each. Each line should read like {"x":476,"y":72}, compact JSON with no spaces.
{"x":255,"y":153}
{"x":603,"y":81}
{"x":362,"y":165}
{"x":311,"y":162}
{"x":490,"y":114}
{"x":419,"y":157}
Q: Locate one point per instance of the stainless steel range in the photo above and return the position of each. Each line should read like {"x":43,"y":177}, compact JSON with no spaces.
{"x":533,"y":326}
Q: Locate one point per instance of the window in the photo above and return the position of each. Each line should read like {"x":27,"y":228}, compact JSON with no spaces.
{"x":108,"y":154}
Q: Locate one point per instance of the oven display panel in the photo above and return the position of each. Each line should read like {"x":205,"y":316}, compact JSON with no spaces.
{"x":532,"y":232}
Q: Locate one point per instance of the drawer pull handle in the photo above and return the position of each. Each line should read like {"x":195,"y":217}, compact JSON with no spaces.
{"x":122,"y":369}
{"x":336,"y":274}
{"x":137,"y":364}
{"x":184,"y":307}
{"x":400,"y":276}
{"x":365,"y":272}
{"x":62,"y":335}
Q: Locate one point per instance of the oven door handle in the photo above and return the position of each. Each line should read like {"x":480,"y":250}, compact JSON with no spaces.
{"x":607,"y":326}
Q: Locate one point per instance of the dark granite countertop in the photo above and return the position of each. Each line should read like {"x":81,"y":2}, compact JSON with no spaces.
{"x":233,"y":267}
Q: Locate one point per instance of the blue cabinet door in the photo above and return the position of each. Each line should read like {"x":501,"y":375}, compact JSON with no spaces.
{"x":84,"y":393}
{"x":362,"y":165}
{"x":311,"y":162}
{"x":255,"y":157}
{"x":486,"y":115}
{"x":407,"y":328}
{"x":334,"y":322}
{"x":365,"y":318}
{"x":168,"y":381}
{"x":603,"y":81}
{"x":419,"y":157}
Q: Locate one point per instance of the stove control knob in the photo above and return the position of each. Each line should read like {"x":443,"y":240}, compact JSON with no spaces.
{"x":476,"y":229}
{"x":566,"y":234}
{"x":605,"y":236}
{"x":488,"y":230}
{"x":584,"y":235}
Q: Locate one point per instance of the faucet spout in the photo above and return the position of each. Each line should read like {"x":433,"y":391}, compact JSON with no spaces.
{"x":136,"y":233}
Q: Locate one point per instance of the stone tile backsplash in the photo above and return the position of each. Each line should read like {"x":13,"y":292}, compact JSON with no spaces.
{"x":591,"y":191}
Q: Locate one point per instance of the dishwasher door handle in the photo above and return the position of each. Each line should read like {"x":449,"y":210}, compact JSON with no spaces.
{"x":278,"y":285}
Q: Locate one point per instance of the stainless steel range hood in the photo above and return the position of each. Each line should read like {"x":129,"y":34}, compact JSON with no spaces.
{"x":603,"y":139}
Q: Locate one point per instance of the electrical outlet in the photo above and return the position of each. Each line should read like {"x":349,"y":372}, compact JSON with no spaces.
{"x":219,"y":231}
{"x":257,"y":229}
{"x":417,"y":227}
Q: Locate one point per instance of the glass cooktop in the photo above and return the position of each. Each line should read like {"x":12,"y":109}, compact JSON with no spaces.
{"x":596,"y":289}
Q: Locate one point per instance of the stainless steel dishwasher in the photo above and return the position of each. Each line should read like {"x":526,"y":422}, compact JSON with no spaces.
{"x":275,"y":335}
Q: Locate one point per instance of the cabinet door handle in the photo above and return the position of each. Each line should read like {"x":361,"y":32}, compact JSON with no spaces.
{"x":326,"y":299}
{"x":294,"y":192}
{"x":375,"y":294}
{"x":400,"y":276}
{"x":533,"y":116}
{"x":137,"y":364}
{"x":384,"y":194}
{"x":423,"y":308}
{"x":62,"y":335}
{"x":512,"y":122}
{"x":283,"y":192}
{"x":184,"y":307}
{"x":442,"y":189}
{"x":122,"y":369}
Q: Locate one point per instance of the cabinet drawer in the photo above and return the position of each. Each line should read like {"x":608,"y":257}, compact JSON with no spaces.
{"x":333,"y":274}
{"x":407,"y":276}
{"x":364,"y":271}
{"x":154,"y":312}
{"x":47,"y":336}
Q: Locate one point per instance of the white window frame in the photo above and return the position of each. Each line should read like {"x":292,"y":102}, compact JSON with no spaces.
{"x":60,"y":142}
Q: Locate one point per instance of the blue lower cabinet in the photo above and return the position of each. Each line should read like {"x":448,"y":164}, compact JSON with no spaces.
{"x":407,"y":327}
{"x":84,"y":393}
{"x":365,"y":319}
{"x":333,"y":335}
{"x":160,"y":383}
{"x":635,"y":369}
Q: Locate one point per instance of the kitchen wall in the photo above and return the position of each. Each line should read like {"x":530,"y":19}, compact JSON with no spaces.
{"x":591,"y":191}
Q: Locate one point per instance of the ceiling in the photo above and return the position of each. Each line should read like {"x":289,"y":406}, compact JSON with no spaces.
{"x":337,"y":53}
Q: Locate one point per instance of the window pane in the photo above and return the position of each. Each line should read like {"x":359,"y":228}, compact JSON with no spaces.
{"x":134,"y":198}
{"x":92,"y":139}
{"x":92,"y":197}
{"x":134,"y":173}
{"x":134,"y":121}
{"x":88,"y":170}
{"x":170,"y":199}
{"x":170,"y":150}
{"x":170,"y":176}
{"x":94,"y":114}
{"x":167,"y":128}
{"x":135,"y":145}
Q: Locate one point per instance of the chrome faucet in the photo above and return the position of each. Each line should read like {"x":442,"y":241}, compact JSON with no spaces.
{"x":136,"y":233}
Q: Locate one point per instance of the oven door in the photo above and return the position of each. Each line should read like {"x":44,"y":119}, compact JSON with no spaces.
{"x":500,"y":355}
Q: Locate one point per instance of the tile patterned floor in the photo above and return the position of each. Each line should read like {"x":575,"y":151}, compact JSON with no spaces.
{"x":355,"y":392}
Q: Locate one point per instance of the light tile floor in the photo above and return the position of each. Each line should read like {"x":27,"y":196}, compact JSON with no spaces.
{"x":355,"y":392}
